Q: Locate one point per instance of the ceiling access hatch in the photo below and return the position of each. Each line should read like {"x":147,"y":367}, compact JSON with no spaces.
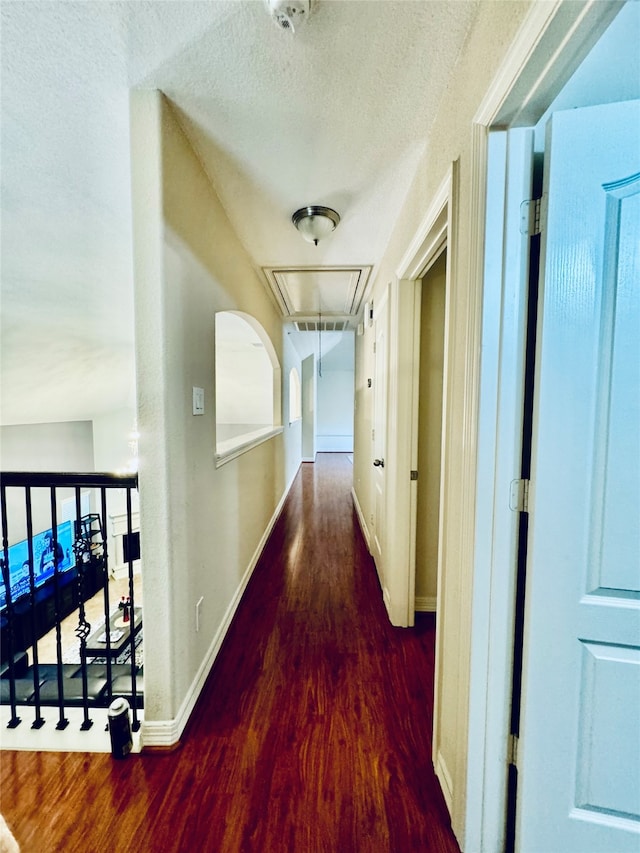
{"x":304,"y":293}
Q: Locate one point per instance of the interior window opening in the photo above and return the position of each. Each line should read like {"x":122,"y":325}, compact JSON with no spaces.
{"x":247,"y":373}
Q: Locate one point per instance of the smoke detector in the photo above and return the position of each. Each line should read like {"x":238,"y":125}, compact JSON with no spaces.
{"x":287,"y":14}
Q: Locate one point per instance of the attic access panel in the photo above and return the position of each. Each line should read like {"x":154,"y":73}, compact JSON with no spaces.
{"x":301,"y":293}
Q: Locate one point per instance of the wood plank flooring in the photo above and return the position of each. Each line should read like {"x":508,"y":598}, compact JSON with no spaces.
{"x":312,"y":735}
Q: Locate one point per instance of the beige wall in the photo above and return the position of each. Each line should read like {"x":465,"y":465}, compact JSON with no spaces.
{"x":430,"y":432}
{"x":450,"y":139}
{"x":200,"y":525}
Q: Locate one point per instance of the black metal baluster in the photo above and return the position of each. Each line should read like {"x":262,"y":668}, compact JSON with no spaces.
{"x":62,"y":720}
{"x":134,"y":699}
{"x":6,"y":577}
{"x":38,"y":721}
{"x":107,"y":606}
{"x":57,"y":596}
{"x":82,"y":548}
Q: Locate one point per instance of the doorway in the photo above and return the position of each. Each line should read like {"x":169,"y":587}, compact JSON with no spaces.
{"x":308,"y":409}
{"x":431,"y":372}
{"x":494,"y":571}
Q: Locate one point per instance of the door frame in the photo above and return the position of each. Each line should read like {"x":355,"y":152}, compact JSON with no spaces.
{"x":378,"y":533}
{"x":405,"y":300}
{"x":549,"y":47}
{"x":308,"y":402}
{"x":436,"y":232}
{"x":552,"y":41}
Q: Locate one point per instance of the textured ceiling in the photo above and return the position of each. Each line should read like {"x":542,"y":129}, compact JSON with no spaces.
{"x":334,"y":115}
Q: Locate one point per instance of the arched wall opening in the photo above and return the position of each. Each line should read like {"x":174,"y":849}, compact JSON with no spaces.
{"x":248,"y":384}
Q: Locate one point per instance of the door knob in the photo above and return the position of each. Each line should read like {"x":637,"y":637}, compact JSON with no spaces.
{"x":379,"y":463}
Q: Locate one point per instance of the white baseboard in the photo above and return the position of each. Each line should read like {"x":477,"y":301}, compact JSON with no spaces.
{"x":167,"y":733}
{"x":121,"y":571}
{"x":308,"y":458}
{"x":425,"y":603}
{"x":444,"y":777}
{"x":360,"y":514}
{"x":386,"y":597}
{"x":334,"y":443}
{"x":50,"y":739}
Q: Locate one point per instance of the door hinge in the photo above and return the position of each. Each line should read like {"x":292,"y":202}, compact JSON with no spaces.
{"x":519,"y":496}
{"x":530,"y":216}
{"x":512,"y":750}
{"x":373,"y":435}
{"x":414,"y":475}
{"x":374,"y":347}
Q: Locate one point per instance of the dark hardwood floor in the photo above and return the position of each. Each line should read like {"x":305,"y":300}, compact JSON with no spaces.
{"x":312,"y":735}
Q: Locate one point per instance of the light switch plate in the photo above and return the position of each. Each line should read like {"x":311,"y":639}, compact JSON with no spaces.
{"x":198,"y":401}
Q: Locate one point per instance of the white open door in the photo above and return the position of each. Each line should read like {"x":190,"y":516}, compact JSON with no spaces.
{"x":379,"y":434}
{"x":579,"y":756}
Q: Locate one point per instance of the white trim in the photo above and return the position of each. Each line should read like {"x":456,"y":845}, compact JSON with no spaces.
{"x":386,"y":599}
{"x":554,"y":40}
{"x":400,"y":575}
{"x":550,"y":44}
{"x":235,"y":447}
{"x":167,"y":733}
{"x":442,"y":772}
{"x":360,"y":514}
{"x":50,"y":739}
{"x":414,"y":391}
{"x":119,"y":525}
{"x":426,"y":246}
{"x":121,"y":571}
{"x":504,"y":314}
{"x":431,"y":236}
{"x":447,"y":441}
{"x":515,"y":62}
{"x":426,"y":603}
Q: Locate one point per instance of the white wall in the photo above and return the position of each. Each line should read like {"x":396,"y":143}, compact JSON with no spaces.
{"x":111,"y":437}
{"x":335,"y":389}
{"x":47,"y":447}
{"x":201,"y":527}
{"x":59,"y":447}
{"x":328,"y":390}
{"x":335,"y":411}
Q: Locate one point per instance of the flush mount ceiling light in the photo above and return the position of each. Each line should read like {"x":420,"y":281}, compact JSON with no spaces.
{"x":287,"y":14}
{"x":315,"y":222}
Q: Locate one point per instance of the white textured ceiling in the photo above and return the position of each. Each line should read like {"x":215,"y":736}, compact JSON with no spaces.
{"x":334,"y":115}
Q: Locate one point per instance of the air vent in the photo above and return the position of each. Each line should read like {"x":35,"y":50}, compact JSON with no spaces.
{"x":324,"y":326}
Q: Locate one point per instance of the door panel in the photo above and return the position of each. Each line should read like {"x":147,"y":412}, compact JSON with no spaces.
{"x":580,"y":735}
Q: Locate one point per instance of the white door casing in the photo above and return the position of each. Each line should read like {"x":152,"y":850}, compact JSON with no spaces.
{"x":379,"y":435}
{"x":309,"y":409}
{"x":579,"y":758}
{"x":504,"y":322}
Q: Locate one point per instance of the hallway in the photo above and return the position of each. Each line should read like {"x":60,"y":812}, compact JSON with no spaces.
{"x":312,"y":735}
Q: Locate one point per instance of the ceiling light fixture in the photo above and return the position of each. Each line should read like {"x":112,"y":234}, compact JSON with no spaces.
{"x":315,"y":222}
{"x":287,"y":14}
